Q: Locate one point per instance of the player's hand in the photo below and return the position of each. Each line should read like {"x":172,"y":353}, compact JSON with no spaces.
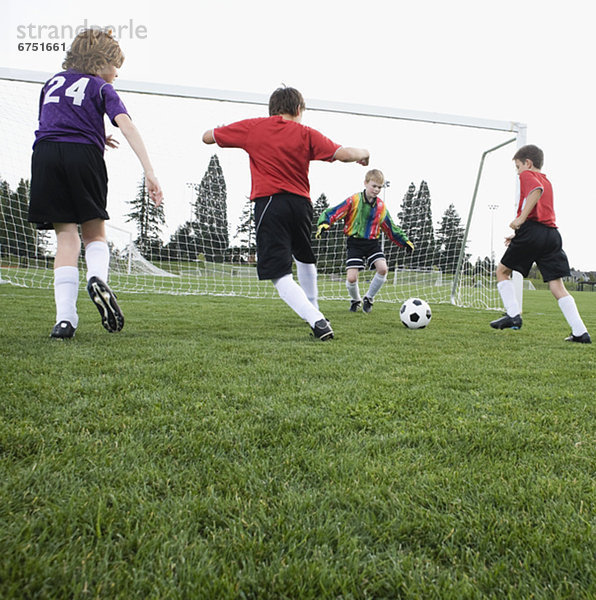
{"x":112,"y":142}
{"x":322,"y":228}
{"x":409,"y":247}
{"x":516,"y":224}
{"x":508,"y":239}
{"x":154,"y":189}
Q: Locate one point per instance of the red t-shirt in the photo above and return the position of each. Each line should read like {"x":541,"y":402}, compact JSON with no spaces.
{"x":280,"y":152}
{"x":544,"y":211}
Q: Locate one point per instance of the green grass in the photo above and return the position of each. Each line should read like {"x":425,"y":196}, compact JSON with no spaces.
{"x":213,"y":450}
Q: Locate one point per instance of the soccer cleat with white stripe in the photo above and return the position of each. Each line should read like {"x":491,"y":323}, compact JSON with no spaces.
{"x":322,"y":330}
{"x":111,"y":316}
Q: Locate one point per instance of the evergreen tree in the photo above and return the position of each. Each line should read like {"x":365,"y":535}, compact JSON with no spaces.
{"x":148,"y":219}
{"x":415,"y":218}
{"x":450,"y":238}
{"x":18,"y":237}
{"x":211,"y":213}
{"x":246,"y":234}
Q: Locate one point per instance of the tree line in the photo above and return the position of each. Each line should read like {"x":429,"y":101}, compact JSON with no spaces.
{"x":205,"y":235}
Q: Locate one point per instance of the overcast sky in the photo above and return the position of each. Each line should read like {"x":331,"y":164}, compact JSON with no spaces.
{"x":510,"y":61}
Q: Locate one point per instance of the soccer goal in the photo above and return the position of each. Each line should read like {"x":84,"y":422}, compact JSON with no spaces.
{"x":450,"y":185}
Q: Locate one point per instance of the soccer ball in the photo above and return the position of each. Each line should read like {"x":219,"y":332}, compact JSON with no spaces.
{"x":415,"y":313}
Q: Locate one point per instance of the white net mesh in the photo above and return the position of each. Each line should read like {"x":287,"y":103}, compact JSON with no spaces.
{"x":203,"y":240}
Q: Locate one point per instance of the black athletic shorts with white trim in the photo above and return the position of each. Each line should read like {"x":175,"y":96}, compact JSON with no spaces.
{"x":69,"y":184}
{"x":536,"y":243}
{"x":283,"y":226}
{"x":363,"y":252}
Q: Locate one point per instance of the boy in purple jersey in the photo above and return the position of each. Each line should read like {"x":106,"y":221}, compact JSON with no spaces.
{"x":68,"y":173}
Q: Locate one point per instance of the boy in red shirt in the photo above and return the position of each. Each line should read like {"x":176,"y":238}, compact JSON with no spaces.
{"x":536,"y":239}
{"x":280,"y":149}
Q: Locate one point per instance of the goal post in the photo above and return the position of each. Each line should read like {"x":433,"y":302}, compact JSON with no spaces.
{"x":205,"y":244}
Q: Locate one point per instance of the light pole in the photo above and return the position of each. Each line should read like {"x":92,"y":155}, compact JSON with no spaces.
{"x":492,"y":208}
{"x":194,"y":187}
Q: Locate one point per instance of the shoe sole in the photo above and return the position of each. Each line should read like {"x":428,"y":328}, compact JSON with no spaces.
{"x":102,"y":296}
{"x":326,"y":336}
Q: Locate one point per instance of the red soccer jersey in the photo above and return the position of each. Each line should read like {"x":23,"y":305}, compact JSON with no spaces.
{"x":280,"y":152}
{"x":544,"y":211}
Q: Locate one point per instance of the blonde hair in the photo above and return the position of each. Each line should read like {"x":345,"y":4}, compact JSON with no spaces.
{"x":374,"y":174}
{"x":92,"y":51}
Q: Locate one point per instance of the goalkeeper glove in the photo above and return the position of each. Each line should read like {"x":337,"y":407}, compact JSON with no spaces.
{"x":323,"y":227}
{"x":409,"y":247}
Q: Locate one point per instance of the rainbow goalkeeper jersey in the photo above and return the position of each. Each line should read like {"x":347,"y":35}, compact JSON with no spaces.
{"x":363,"y":220}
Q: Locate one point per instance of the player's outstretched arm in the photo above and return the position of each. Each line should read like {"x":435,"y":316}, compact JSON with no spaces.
{"x":133,"y":137}
{"x":348,"y":154}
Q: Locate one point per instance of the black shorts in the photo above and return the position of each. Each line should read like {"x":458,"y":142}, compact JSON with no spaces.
{"x":537,"y":243}
{"x":363,"y":252}
{"x":69,"y":184}
{"x":283,"y":226}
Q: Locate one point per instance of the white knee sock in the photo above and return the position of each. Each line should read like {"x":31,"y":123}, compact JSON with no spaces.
{"x":375,"y":285}
{"x":307,"y":279}
{"x":571,"y":314}
{"x":293,"y":295}
{"x":507,"y":292}
{"x":66,"y":290}
{"x":354,"y":291}
{"x":97,"y":257}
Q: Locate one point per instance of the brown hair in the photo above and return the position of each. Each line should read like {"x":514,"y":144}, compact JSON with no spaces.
{"x":286,"y":100}
{"x":530,"y":152}
{"x":92,"y":51}
{"x":374,"y":174}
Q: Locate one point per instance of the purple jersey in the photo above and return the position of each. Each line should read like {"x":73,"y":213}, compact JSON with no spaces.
{"x":72,"y":106}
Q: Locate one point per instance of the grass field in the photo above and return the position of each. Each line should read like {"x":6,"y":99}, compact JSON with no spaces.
{"x":213,"y":450}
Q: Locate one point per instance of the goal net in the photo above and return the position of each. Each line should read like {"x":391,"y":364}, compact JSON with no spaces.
{"x":202,"y":241}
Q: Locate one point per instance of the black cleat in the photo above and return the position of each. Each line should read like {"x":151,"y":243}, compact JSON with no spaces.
{"x":322,"y":330}
{"x":507,"y":322}
{"x":584,"y":338}
{"x":111,"y":316}
{"x":63,"y":331}
{"x":354,"y":305}
{"x":367,"y":304}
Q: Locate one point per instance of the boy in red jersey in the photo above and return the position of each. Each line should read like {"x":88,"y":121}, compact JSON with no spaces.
{"x":68,"y":173}
{"x":365,"y":216}
{"x":536,"y":239}
{"x":280,"y":149}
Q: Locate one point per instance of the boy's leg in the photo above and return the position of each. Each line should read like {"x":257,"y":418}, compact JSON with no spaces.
{"x":379,"y":279}
{"x":97,"y":257}
{"x":353,"y":289}
{"x":307,"y":279}
{"x":568,"y":307}
{"x":506,"y":290}
{"x":97,"y":252}
{"x":66,"y":274}
{"x":293,"y":295}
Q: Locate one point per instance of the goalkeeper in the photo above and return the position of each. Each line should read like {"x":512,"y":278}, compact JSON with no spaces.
{"x":365,"y":215}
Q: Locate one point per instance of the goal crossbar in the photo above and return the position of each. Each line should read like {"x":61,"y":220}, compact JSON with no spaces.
{"x":180,"y":91}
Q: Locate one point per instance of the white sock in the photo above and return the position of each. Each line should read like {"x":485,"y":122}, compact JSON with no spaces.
{"x":571,"y":314}
{"x":507,"y":292}
{"x":293,"y":295}
{"x":354,"y":291}
{"x":66,"y":290}
{"x":307,"y":280}
{"x":375,"y":285}
{"x":97,"y":257}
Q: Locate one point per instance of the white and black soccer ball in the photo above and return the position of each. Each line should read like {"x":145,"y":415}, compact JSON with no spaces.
{"x":415,"y":313}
